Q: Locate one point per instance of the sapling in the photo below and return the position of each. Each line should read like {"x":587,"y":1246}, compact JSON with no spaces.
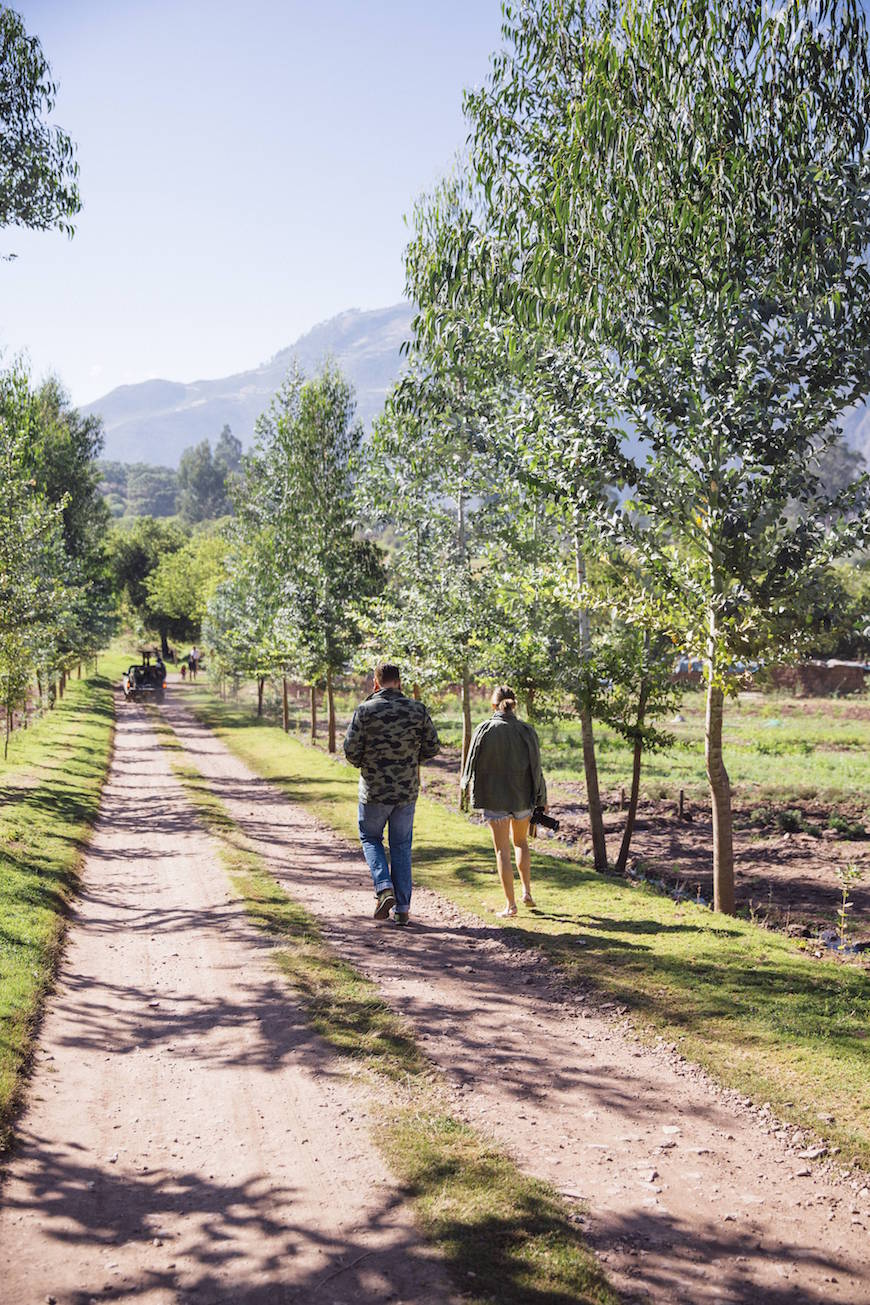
{"x":847,"y":876}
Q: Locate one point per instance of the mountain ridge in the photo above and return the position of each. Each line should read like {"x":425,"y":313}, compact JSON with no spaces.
{"x":155,"y":420}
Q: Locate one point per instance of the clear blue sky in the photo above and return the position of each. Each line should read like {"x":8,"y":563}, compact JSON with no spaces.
{"x":245,"y":169}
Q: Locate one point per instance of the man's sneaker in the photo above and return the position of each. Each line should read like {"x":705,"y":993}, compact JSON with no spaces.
{"x":385,"y":903}
{"x":400,"y":917}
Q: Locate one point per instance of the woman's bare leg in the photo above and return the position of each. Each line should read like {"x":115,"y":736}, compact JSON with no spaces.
{"x":502,"y":844}
{"x":520,"y":837}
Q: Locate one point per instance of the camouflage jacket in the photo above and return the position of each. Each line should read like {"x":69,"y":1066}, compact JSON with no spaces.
{"x":388,"y":736}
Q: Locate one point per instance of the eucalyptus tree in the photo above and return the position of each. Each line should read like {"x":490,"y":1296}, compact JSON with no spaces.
{"x":299,"y":498}
{"x":635,"y":641}
{"x":238,"y":621}
{"x":38,"y":171}
{"x":531,"y":641}
{"x":550,"y":418}
{"x":427,"y":480}
{"x":681,"y":191}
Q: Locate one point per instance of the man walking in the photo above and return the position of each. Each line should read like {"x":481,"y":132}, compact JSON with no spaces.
{"x":388,"y":736}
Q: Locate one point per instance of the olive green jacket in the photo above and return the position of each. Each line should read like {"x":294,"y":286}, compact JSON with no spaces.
{"x":503,"y":768}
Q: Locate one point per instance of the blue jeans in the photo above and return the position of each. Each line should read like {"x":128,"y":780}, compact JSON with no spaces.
{"x":374,"y":817}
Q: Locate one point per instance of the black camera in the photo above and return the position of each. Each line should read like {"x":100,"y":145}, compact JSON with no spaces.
{"x":540,"y":817}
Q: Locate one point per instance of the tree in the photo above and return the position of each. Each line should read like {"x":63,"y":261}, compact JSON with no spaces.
{"x":181,"y":585}
{"x":33,"y":567}
{"x":151,"y":491}
{"x":37,"y":162}
{"x":135,"y":550}
{"x":636,"y":632}
{"x":202,"y":485}
{"x":61,"y":456}
{"x":228,"y":451}
{"x":682,"y":192}
{"x":425,"y":478}
{"x":239,"y":621}
{"x":297,"y":510}
{"x":545,"y":409}
{"x":530,"y":641}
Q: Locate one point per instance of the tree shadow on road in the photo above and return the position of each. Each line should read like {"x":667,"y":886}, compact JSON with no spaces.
{"x":219,"y":1240}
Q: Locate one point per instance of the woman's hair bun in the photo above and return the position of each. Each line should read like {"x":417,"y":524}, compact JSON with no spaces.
{"x":504,"y":697}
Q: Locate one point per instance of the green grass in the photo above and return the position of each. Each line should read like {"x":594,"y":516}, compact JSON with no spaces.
{"x":506,"y":1238}
{"x":775,"y":747}
{"x":745,"y":1003}
{"x":49,"y":795}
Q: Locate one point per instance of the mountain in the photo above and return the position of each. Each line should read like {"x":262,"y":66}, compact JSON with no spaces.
{"x":155,"y":421}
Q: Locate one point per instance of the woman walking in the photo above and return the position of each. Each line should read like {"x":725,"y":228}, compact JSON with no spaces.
{"x":504,"y":780}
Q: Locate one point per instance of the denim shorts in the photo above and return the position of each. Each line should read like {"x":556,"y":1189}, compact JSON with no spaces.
{"x":506,"y":815}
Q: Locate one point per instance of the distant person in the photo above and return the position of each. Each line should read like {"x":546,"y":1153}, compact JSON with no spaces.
{"x":192,"y":659}
{"x":388,"y":737}
{"x":503,"y":778}
{"x":183,"y":670}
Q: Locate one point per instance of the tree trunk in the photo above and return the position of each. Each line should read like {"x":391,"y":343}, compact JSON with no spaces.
{"x":52,"y":695}
{"x":593,"y":794}
{"x":635,"y":782}
{"x":313,"y":702}
{"x":530,"y":703}
{"x":415,"y":692}
{"x":62,"y":683}
{"x":8,"y":732}
{"x":164,"y":644}
{"x":261,"y":681}
{"x":590,"y":766}
{"x":79,"y":672}
{"x":330,"y":714}
{"x":285,"y":707}
{"x":720,"y":794}
{"x":466,"y":716}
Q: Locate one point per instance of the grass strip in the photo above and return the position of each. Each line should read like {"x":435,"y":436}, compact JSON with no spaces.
{"x":49,"y":797}
{"x":507,"y":1239}
{"x":776,"y":747}
{"x":743,"y":1002}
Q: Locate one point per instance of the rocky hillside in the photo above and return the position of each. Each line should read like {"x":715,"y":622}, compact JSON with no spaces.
{"x":155,"y":421}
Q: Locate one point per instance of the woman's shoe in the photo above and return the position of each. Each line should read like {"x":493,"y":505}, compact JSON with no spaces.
{"x":528,"y":900}
{"x":508,"y":911}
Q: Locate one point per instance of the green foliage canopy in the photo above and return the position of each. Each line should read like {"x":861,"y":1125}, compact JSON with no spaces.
{"x":38,"y":171}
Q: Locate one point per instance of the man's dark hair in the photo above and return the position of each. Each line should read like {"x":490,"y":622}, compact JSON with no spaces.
{"x":387,"y":673}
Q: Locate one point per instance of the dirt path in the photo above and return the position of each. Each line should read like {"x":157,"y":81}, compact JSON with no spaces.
{"x":187,"y":1138}
{"x":694,"y":1197}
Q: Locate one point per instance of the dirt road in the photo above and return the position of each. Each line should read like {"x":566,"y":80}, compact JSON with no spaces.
{"x":694,"y":1197}
{"x":187,"y":1138}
